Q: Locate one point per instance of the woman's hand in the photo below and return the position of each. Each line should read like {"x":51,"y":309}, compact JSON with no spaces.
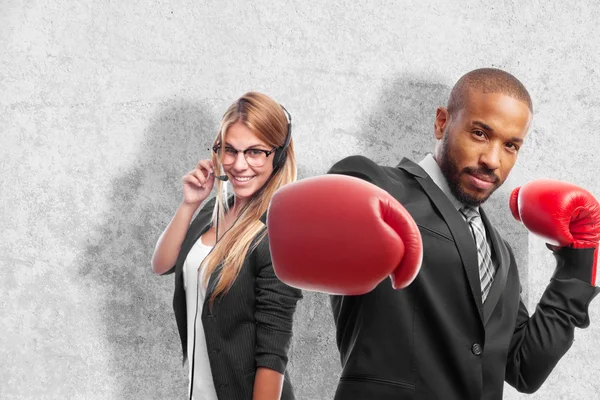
{"x":198,"y":183}
{"x":268,"y":384}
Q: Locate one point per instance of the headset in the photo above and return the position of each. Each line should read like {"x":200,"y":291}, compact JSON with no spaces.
{"x":281,"y":152}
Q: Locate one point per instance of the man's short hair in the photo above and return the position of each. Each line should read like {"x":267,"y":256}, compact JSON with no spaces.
{"x":487,"y":80}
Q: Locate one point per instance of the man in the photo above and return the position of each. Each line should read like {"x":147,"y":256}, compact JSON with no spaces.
{"x":460,"y":329}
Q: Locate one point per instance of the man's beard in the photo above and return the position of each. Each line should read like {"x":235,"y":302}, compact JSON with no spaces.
{"x":452,"y":175}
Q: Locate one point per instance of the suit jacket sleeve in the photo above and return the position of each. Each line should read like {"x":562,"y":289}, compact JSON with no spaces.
{"x":359,"y":167}
{"x":274,"y":312}
{"x":541,"y":340}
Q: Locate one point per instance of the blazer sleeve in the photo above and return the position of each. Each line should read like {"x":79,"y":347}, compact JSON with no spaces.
{"x":198,"y":219}
{"x":359,"y":167}
{"x":274,"y":312}
{"x":539,"y":341}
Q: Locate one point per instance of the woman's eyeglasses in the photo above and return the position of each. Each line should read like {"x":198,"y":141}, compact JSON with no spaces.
{"x":254,"y":157}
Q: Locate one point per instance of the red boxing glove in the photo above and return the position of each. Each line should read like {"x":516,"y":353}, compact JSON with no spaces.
{"x":341,"y":235}
{"x":561,"y":213}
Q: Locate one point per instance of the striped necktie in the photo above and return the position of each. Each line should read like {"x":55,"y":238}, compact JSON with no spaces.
{"x":484,"y":255}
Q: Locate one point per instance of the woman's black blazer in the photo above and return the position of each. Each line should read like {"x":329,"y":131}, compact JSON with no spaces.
{"x":249,"y":327}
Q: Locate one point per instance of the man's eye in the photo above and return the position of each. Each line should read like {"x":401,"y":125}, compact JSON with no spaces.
{"x":479,"y":133}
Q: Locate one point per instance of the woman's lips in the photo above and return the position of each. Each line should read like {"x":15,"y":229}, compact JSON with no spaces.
{"x":243,"y":180}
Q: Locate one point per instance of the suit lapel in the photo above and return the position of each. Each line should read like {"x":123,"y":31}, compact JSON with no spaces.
{"x":201,"y":229}
{"x":200,"y":225}
{"x":502,"y":259}
{"x":457,"y":226}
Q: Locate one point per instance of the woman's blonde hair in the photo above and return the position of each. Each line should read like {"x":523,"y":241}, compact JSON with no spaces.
{"x":267,"y":120}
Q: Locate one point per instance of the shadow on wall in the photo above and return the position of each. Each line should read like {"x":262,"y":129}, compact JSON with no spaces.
{"x":138,"y":321}
{"x":400,"y":125}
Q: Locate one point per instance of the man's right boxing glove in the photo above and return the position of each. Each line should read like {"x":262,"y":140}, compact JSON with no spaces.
{"x":568,"y":217}
{"x":341,"y":235}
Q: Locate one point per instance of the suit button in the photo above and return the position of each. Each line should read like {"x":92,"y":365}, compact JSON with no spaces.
{"x":476,"y":349}
{"x":222,"y":385}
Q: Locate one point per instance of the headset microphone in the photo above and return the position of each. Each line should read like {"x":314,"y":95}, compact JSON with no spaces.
{"x":222,"y":178}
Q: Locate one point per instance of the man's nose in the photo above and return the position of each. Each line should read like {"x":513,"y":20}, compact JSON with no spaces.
{"x":491,"y":157}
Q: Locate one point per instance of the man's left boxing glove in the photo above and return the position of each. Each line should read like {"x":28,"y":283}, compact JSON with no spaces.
{"x":566,"y":216}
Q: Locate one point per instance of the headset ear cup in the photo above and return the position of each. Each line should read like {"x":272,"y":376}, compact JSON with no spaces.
{"x":281,"y":152}
{"x":278,"y":158}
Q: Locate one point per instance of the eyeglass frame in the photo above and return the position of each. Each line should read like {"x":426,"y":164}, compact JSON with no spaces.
{"x":267,"y":153}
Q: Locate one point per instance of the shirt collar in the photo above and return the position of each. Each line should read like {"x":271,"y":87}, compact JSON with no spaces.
{"x":434,"y":171}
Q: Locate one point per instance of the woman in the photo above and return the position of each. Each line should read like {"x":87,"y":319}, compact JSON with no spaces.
{"x":234,"y":316}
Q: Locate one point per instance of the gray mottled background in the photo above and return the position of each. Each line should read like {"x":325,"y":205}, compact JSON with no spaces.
{"x":104,"y":105}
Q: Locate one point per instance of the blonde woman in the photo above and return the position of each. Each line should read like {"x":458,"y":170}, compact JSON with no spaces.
{"x":234,"y":316}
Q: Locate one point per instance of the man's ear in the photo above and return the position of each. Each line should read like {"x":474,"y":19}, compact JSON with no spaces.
{"x":442,"y":119}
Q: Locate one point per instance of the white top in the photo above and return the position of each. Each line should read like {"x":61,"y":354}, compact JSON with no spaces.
{"x":204,"y":387}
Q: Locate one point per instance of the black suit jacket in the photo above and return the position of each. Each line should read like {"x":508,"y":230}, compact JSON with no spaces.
{"x":249,"y":327}
{"x":435,"y":339}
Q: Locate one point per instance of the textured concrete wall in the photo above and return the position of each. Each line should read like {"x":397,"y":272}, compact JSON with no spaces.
{"x":105,"y":105}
